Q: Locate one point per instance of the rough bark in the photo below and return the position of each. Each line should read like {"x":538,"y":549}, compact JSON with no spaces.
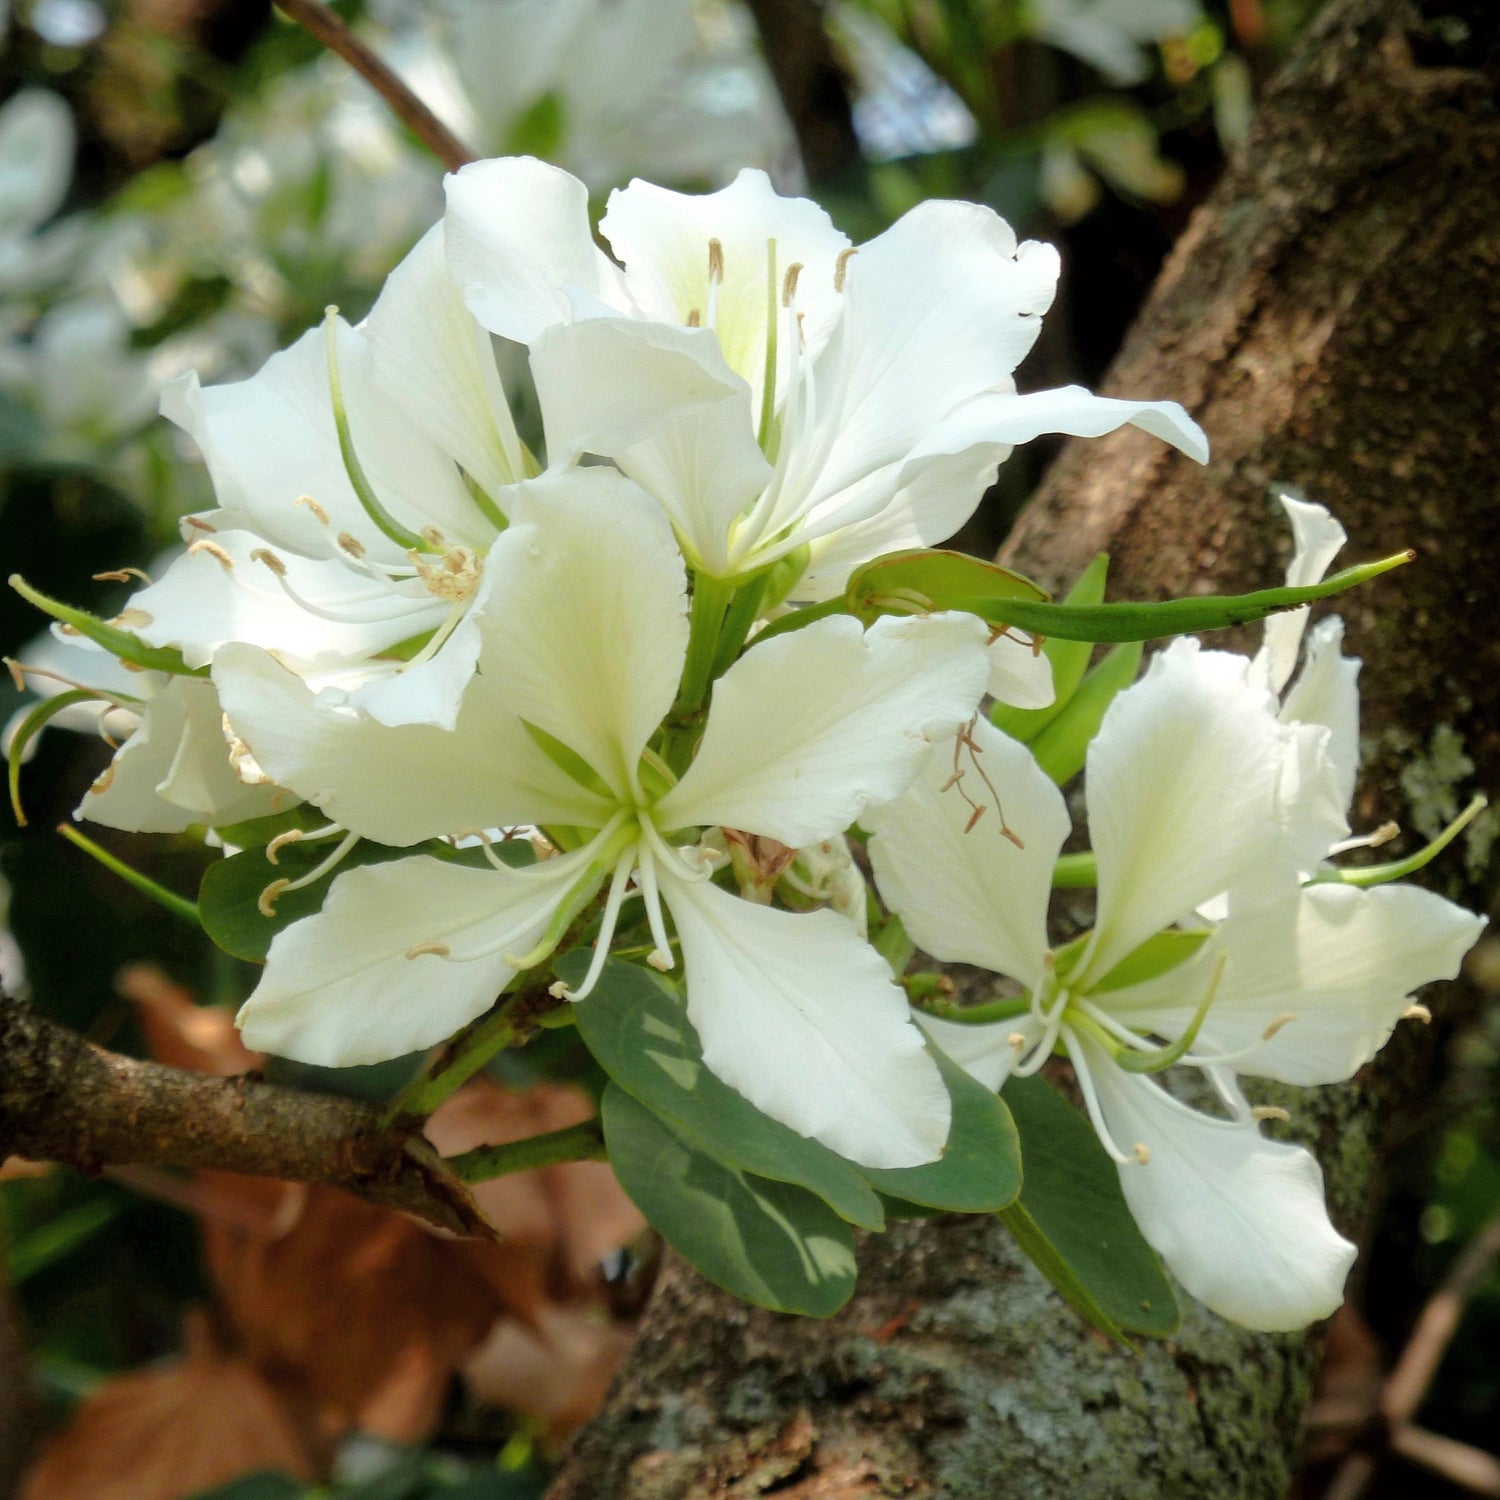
{"x":62,"y":1099}
{"x":1333,"y":317}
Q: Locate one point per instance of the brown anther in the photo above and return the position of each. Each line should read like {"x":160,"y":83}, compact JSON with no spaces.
{"x":841,"y":266}
{"x":979,"y":811}
{"x":199,"y":524}
{"x":17,"y":673}
{"x":215,"y":551}
{"x":66,"y":629}
{"x":1142,"y":1152}
{"x":1417,"y":1013}
{"x":122,"y":575}
{"x":435,"y":538}
{"x":1277,"y":1024}
{"x":132,"y":666}
{"x":270,"y":559}
{"x":104,"y":780}
{"x":1269,"y":1112}
{"x":265,"y":903}
{"x":694,"y":318}
{"x":715,"y":260}
{"x":274,"y":848}
{"x":351,"y":544}
{"x":1384,"y":834}
{"x":789,"y":283}
{"x":309,"y":503}
{"x":438,"y":950}
{"x":1017,"y":1040}
{"x":132,"y":619}
{"x":660,"y":961}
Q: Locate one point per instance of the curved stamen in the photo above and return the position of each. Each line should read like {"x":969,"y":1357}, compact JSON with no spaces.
{"x":352,"y":616}
{"x":607,"y":924}
{"x":1091,"y":1099}
{"x":661,"y":956}
{"x":278,"y":888}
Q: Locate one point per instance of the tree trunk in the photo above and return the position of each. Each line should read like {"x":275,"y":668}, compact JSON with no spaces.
{"x":1332,"y":316}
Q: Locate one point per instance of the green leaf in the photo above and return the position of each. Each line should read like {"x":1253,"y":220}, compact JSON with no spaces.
{"x":266,"y":1485}
{"x":128,"y":646}
{"x":768,"y":1242}
{"x":979,"y":1170}
{"x":1070,"y":660}
{"x":1157,"y":955}
{"x":1062,"y":747}
{"x":919,"y":582}
{"x":638,"y":1030}
{"x":59,"y":1237}
{"x":1073,"y":1222}
{"x":538,"y":129}
{"x":231,"y":888}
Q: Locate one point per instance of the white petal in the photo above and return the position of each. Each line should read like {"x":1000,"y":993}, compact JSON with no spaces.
{"x":803,"y":1018}
{"x":1240,"y":1220}
{"x":339,"y":989}
{"x":199,"y":605}
{"x":1342,"y":962}
{"x":517,"y":233}
{"x":432,"y":357}
{"x":37,"y":141}
{"x":270,"y":440}
{"x":1020,"y":674}
{"x":663,"y":404}
{"x":811,"y":728}
{"x":662,"y":239}
{"x":940,"y":307}
{"x":1326,"y":692}
{"x":175,"y":771}
{"x":1186,"y":783}
{"x":974,"y":896}
{"x":1317,"y":538}
{"x":985,"y":1051}
{"x":403,"y":784}
{"x":589,"y":633}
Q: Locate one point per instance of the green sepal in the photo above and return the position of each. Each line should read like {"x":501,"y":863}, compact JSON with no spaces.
{"x":920,"y":582}
{"x":638,"y":1030}
{"x":1070,"y":661}
{"x":980,"y":1168}
{"x":767,"y":1242}
{"x":1073,"y":1222}
{"x":1062,"y":747}
{"x":1156,"y":956}
{"x":124,"y":644}
{"x":231,"y":888}
{"x":569,"y":761}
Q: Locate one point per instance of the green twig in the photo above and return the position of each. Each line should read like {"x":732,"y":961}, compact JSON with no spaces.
{"x":583,"y":1142}
{"x":177,"y":905}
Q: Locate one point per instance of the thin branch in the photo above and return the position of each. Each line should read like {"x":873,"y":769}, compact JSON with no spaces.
{"x":63,"y":1099}
{"x":319,"y":21}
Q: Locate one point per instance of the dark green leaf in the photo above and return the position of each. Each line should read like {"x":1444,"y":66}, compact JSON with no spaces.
{"x":1072,"y":1220}
{"x":767,"y":1242}
{"x":265,"y":1486}
{"x":980,"y":1169}
{"x":1062,"y":747}
{"x":638,"y":1030}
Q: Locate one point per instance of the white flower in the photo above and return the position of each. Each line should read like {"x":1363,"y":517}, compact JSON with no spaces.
{"x":295,"y":560}
{"x":769,"y":386}
{"x":580,"y":657}
{"x":1111,"y":35}
{"x":1195,"y":790}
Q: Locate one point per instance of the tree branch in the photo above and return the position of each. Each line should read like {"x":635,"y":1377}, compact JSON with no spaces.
{"x":63,"y":1099}
{"x":320,"y":22}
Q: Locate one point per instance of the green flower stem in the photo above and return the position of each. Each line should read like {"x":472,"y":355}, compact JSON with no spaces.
{"x":31,"y":725}
{"x":1399,"y":869}
{"x":711,"y":597}
{"x":800,"y":617}
{"x":583,"y":1142}
{"x":179,"y":906}
{"x":977,"y":1015}
{"x":462,"y":1058}
{"x":1075,"y":871}
{"x":738,"y":619}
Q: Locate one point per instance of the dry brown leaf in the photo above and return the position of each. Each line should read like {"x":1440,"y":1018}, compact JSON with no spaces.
{"x":181,"y":1033}
{"x":171,"y":1432}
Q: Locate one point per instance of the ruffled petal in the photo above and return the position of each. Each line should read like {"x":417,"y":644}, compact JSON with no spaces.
{"x":1316,"y":539}
{"x":431,"y":356}
{"x":1191,"y":792}
{"x":342,"y":988}
{"x":1020,"y":674}
{"x":589,"y":633}
{"x":1326,"y":692}
{"x":663,"y":404}
{"x":1328,"y":973}
{"x":1240,"y":1220}
{"x":662,"y":239}
{"x":403,"y":784}
{"x":968,"y":894}
{"x":803,"y":1018}
{"x":809,"y":729}
{"x":517,"y":234}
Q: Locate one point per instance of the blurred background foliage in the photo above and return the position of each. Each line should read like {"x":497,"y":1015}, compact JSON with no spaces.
{"x":186,"y":184}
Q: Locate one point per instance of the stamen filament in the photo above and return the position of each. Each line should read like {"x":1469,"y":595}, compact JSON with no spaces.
{"x":607,"y":923}
{"x":1091,"y":1100}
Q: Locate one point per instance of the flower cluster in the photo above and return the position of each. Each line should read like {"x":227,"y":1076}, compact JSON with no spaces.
{"x":633,"y":701}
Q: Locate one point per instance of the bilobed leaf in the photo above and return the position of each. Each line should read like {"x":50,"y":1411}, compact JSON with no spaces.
{"x":1072,"y":1220}
{"x":638,"y":1031}
{"x":980,"y":1168}
{"x":230,"y":891}
{"x":1070,"y":660}
{"x":768,"y":1242}
{"x":1062,"y":747}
